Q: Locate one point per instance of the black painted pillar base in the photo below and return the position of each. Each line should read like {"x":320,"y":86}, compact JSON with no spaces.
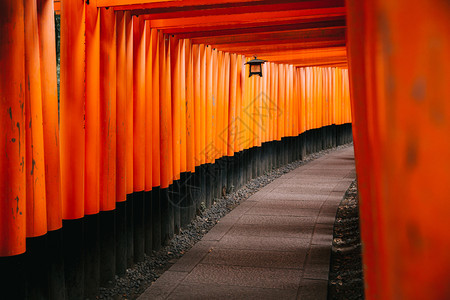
{"x":130,"y":231}
{"x":36,"y":264}
{"x":174,"y":201}
{"x":167,"y":221}
{"x":148,"y":223}
{"x":156,"y":219}
{"x":13,"y":278}
{"x":91,"y":255}
{"x":121,"y":237}
{"x":107,"y":247}
{"x":73,"y":242}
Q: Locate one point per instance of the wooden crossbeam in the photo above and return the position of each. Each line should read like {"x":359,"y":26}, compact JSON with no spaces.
{"x":259,"y":29}
{"x":243,"y":19}
{"x":232,"y":9}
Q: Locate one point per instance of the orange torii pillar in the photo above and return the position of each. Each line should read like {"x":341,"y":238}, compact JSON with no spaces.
{"x":190,"y":130}
{"x":166,"y":149}
{"x":46,"y":22}
{"x":107,"y":122}
{"x":156,"y":158}
{"x":175,"y":64}
{"x":121,"y":146}
{"x":12,"y":156}
{"x":129,"y":136}
{"x":148,"y":214}
{"x":399,"y":84}
{"x":186,"y":214}
{"x":138,"y":136}
{"x":92,"y":150}
{"x":72,"y":91}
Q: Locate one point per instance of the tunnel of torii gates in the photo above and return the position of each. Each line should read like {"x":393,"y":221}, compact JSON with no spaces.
{"x":158,"y":114}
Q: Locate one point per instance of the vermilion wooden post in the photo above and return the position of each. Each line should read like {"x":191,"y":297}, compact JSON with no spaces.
{"x":138,"y":104}
{"x":175,"y":87}
{"x":281,"y":102}
{"x":214,"y":102}
{"x":202,"y":79}
{"x":220,"y":106}
{"x":302,"y":100}
{"x":226,"y":84}
{"x":34,"y":158}
{"x":277,"y":109}
{"x":46,"y":20}
{"x":363,"y":151}
{"x":165,"y":115}
{"x":12,"y":124}
{"x":232,"y":106}
{"x":92,"y":127}
{"x":156,"y":157}
{"x":295,"y":99}
{"x":209,"y":143}
{"x":197,"y":100}
{"x":401,"y":93}
{"x":183,"y":106}
{"x":190,"y":110}
{"x":129,"y":101}
{"x":121,"y":107}
{"x":108,"y":102}
{"x":287,"y":105}
{"x":238,"y":142}
{"x":72,"y":108}
{"x":271,"y":107}
{"x":148,"y":107}
{"x":257,"y":110}
{"x":266,"y":102}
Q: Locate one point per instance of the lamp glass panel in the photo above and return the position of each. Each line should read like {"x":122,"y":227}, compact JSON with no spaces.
{"x":255,"y":68}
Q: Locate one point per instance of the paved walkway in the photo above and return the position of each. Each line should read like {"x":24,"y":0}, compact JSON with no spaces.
{"x":275,"y":245}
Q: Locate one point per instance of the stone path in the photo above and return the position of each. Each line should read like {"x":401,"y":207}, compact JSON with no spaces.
{"x":275,"y":245}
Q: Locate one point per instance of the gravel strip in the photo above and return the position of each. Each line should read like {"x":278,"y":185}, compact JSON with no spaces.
{"x":346,"y":275}
{"x":140,"y":277}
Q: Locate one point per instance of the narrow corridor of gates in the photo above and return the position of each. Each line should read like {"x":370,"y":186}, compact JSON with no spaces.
{"x":151,"y":111}
{"x":275,"y":245}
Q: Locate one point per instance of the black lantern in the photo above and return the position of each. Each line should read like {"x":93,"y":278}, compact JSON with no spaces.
{"x":255,"y":67}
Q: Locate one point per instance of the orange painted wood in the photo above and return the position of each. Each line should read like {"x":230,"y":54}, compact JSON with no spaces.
{"x":166,"y":113}
{"x":72,"y":108}
{"x":190,"y":110}
{"x":197,"y":103}
{"x":230,"y":9}
{"x":121,"y":107}
{"x":107,"y":3}
{"x":156,"y":150}
{"x":232,"y":134}
{"x":138,"y":104}
{"x":220,"y":99}
{"x":245,"y":18}
{"x":12,"y":125}
{"x":108,"y":116}
{"x":212,"y":31}
{"x":183,"y":107}
{"x":92,"y":127}
{"x":238,"y":143}
{"x":226,"y":84}
{"x":214,"y":115}
{"x":402,"y":97}
{"x":203,"y":141}
{"x":47,"y":48}
{"x":175,"y":87}
{"x":209,"y":142}
{"x":148,"y":107}
{"x":129,"y":101}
